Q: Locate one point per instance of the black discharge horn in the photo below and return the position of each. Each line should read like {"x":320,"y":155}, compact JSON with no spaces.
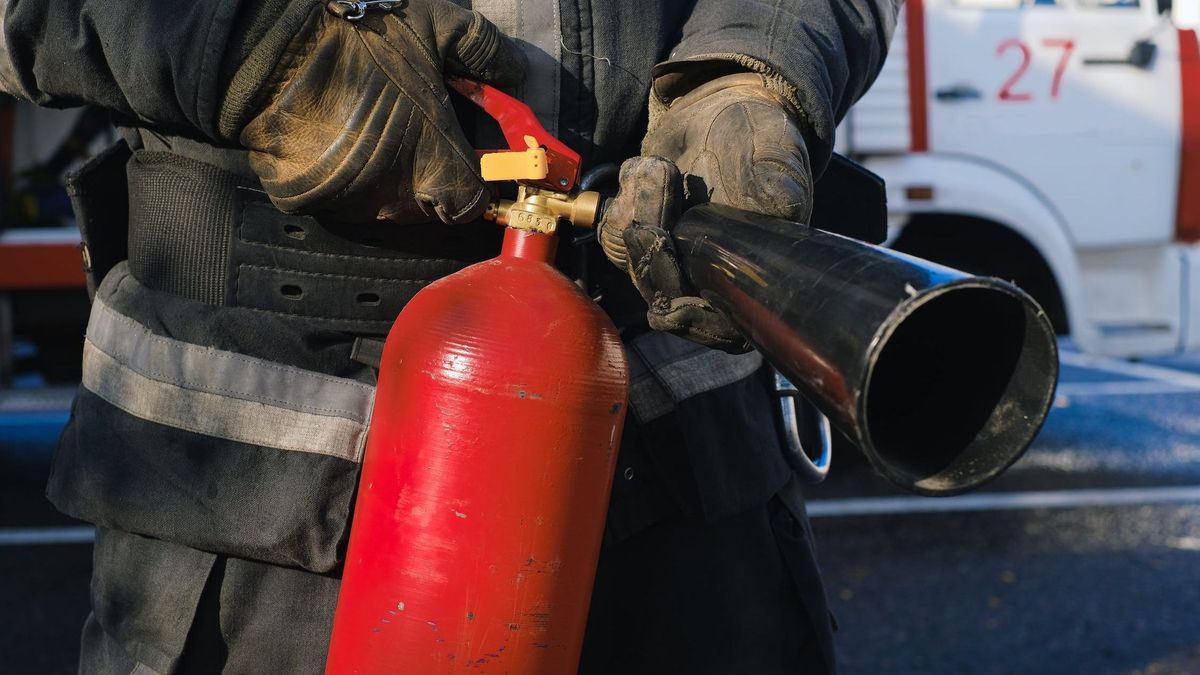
{"x":941,"y":378}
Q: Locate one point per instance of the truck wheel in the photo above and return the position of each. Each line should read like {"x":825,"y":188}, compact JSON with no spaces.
{"x":986,"y":248}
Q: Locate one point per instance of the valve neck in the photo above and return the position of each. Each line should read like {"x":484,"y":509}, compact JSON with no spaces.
{"x":529,"y":245}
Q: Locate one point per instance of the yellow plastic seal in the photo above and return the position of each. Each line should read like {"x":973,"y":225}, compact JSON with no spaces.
{"x":529,"y":164}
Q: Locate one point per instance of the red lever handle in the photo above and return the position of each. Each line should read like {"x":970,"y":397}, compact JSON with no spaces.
{"x":517,"y":121}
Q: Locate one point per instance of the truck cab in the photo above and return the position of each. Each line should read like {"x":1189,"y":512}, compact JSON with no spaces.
{"x":1054,"y":143}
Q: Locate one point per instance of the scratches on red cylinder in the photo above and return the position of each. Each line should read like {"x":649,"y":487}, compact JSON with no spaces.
{"x":489,"y":462}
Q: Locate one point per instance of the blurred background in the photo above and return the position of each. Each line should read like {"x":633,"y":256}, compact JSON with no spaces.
{"x":1054,"y":143}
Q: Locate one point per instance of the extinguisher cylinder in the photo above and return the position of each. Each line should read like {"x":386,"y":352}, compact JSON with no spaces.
{"x":485,"y":482}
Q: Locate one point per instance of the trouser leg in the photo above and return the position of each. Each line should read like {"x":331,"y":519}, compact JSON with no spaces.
{"x":693,"y":597}
{"x":144,"y":595}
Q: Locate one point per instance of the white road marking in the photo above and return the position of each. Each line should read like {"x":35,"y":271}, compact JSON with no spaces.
{"x":1141,"y":387}
{"x":1145,"y":371}
{"x":817,"y":508}
{"x":44,"y":536}
{"x":1003,"y":501}
{"x":1185,"y":543}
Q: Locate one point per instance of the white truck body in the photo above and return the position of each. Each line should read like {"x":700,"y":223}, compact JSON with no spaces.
{"x":1059,"y":141}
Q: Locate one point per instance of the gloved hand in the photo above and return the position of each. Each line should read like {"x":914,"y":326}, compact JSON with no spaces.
{"x":730,"y":141}
{"x":350,"y":115}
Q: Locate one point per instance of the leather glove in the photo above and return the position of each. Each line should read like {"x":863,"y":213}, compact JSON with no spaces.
{"x":729,"y":141}
{"x":353,"y":117}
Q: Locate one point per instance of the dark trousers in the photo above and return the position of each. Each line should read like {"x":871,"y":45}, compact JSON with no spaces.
{"x":682,"y":596}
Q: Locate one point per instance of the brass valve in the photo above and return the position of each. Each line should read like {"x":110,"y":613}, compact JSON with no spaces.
{"x":545,"y":171}
{"x":540,"y":210}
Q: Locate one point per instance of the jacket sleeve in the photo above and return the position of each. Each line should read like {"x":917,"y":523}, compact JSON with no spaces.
{"x":160,"y":62}
{"x":823,"y":54}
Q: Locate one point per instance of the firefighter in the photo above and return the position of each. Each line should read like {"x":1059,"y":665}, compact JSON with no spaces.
{"x":293,"y":172}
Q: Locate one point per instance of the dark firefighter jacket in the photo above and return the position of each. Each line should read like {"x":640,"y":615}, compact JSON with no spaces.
{"x":217,"y":433}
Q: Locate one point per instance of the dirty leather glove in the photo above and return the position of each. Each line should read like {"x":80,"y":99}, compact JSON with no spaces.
{"x":729,"y":141}
{"x":350,"y":116}
{"x":634,"y":233}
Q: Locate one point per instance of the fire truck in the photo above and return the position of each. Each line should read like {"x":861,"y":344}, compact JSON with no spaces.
{"x":43,"y":303}
{"x":1054,"y":143}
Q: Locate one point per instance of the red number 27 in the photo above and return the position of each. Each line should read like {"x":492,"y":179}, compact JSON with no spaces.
{"x":1007,"y":92}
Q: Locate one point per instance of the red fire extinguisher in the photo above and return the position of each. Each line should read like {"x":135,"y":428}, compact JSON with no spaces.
{"x":498,"y":414}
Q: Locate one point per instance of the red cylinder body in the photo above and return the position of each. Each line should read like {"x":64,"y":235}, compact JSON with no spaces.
{"x":486,"y":478}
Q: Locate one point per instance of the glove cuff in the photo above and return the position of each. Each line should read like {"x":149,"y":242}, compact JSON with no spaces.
{"x":675,"y":79}
{"x":261,"y":42}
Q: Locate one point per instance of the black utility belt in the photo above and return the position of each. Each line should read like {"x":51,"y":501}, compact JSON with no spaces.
{"x":206,"y":234}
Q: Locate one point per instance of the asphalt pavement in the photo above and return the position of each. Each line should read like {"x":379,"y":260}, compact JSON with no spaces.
{"x":1083,"y":558}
